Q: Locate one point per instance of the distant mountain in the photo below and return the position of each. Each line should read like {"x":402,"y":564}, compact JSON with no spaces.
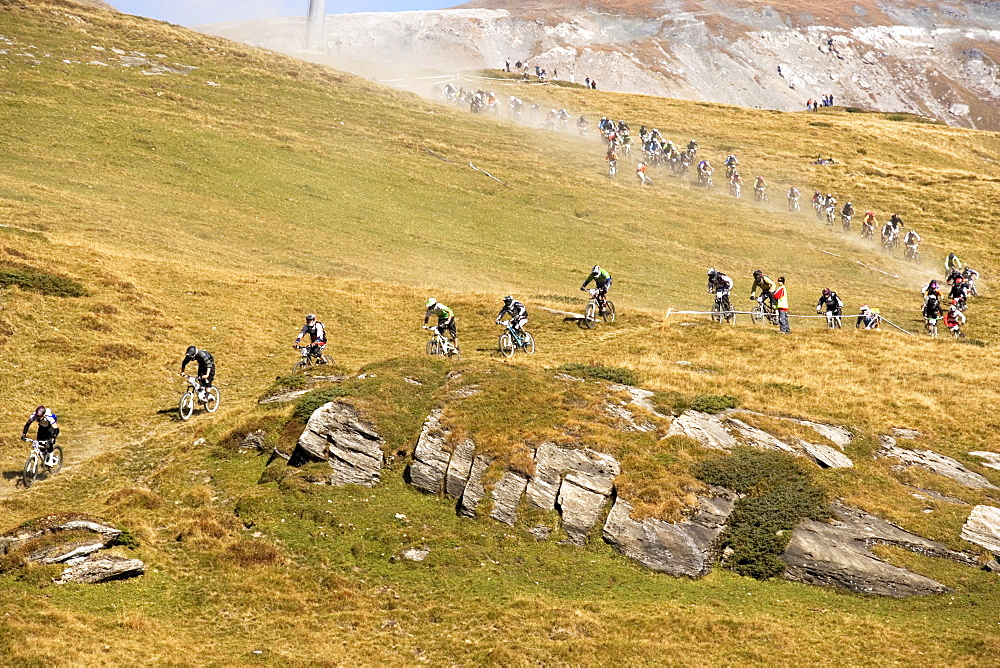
{"x":934,"y":58}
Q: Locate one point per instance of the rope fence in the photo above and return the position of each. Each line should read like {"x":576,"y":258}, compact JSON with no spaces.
{"x":881,"y":318}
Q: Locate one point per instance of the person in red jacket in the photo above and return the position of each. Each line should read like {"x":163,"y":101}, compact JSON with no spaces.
{"x":781,"y":297}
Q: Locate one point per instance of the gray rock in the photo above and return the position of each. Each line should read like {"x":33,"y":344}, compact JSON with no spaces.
{"x":759,"y":438}
{"x":579,"y":508}
{"x":874,"y":530}
{"x":991,"y":459}
{"x":60,"y":554}
{"x":101,"y":568}
{"x":541,"y":532}
{"x":824,"y":455}
{"x":922,"y":493}
{"x":430,"y":459}
{"x":55,"y":524}
{"x":826,"y":554}
{"x":459,"y":467}
{"x":552,"y":462}
{"x":255,"y":440}
{"x":507,"y":497}
{"x":474,"y":491}
{"x":983,"y":528}
{"x":837,"y":435}
{"x":337,"y":434}
{"x":909,"y":434}
{"x":939,"y":464}
{"x":705,"y":428}
{"x":414,"y":554}
{"x":687,"y":548}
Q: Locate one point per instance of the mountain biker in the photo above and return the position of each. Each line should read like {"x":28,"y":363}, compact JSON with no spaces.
{"x":206,"y":365}
{"x":759,"y":186}
{"x":888,"y":233}
{"x":612,"y":160}
{"x":793,"y":198}
{"x":896,"y":221}
{"x":848,"y":210}
{"x":446,"y":320}
{"x":970,"y":275}
{"x":517,"y":312}
{"x":640,"y":171}
{"x":781,"y":296}
{"x":602,"y":281}
{"x":866,"y":318}
{"x":730,"y":164}
{"x":932,"y":307}
{"x":692,"y":146}
{"x":954,"y":318}
{"x":952,"y":267}
{"x":912,"y":241}
{"x":48,"y":430}
{"x":704,"y":171}
{"x":830,"y":202}
{"x":932,"y":289}
{"x":831,"y":301}
{"x":317,"y":336}
{"x":870,"y":221}
{"x":958,"y":293}
{"x":767,"y":288}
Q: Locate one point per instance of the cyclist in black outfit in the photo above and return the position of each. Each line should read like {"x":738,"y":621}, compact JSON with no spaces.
{"x":48,"y":428}
{"x":206,"y":365}
{"x":831,"y":301}
{"x":518,"y":313}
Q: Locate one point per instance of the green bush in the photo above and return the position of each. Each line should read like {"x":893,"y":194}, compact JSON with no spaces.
{"x":779,"y":493}
{"x":671,"y":402}
{"x":308,"y":403}
{"x":713,"y":403}
{"x":36,"y":280}
{"x":613,"y":374}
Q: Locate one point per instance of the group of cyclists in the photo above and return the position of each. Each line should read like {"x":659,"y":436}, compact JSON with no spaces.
{"x":960,"y":280}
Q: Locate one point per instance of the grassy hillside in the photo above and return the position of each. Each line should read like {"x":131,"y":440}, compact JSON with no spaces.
{"x":196,"y":191}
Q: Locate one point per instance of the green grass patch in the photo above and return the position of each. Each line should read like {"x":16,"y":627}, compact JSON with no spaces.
{"x":36,"y":280}
{"x":613,"y":374}
{"x":779,"y":493}
{"x":713,"y":403}
{"x":25,"y":234}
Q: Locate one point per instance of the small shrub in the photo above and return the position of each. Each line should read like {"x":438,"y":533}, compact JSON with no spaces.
{"x":36,"y":280}
{"x":308,"y":403}
{"x":779,"y":493}
{"x":713,"y":403}
{"x":252,"y":554}
{"x":821,"y":124}
{"x":197,"y":496}
{"x":131,"y":497}
{"x":612,"y":374}
{"x":127,"y":539}
{"x":671,"y":402}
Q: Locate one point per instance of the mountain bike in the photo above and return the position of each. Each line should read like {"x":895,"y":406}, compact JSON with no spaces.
{"x":705,"y":179}
{"x":598,"y":307}
{"x":209,"y":398}
{"x":760,"y":195}
{"x":722,"y":309}
{"x":439,"y":345}
{"x":311,"y":355}
{"x":930,"y":324}
{"x":831,"y":214}
{"x":612,"y":168}
{"x":845,"y":221}
{"x":793,"y":205}
{"x":513,"y":340}
{"x":764,"y":310}
{"x":889,"y":244}
{"x":833,"y":320}
{"x":39,"y":460}
{"x":735,"y":189}
{"x":867,"y":231}
{"x":911,"y":253}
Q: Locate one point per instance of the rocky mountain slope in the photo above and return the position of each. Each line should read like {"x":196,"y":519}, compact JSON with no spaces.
{"x":934,"y":58}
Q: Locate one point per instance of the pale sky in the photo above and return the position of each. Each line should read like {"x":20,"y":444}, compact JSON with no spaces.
{"x":196,"y":12}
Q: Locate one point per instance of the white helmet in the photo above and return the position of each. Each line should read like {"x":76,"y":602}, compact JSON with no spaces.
{"x":596,"y":271}
{"x":431,"y":302}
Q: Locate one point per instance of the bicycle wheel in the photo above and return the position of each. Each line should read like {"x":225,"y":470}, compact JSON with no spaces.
{"x":506,"y":344}
{"x":757,"y":315}
{"x":299,"y":366}
{"x":432,"y":347}
{"x":31,"y":469}
{"x":529,"y":343}
{"x":57,"y":456}
{"x":730,"y":315}
{"x":214,"y":398}
{"x":186,"y":405}
{"x":326,"y":359}
{"x":590,"y":315}
{"x":609,"y":312}
{"x":717,"y":311}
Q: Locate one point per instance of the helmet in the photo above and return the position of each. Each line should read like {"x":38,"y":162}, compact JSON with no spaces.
{"x":712,"y":273}
{"x":191,"y":351}
{"x":310,"y":318}
{"x":596,"y":270}
{"x":507,"y":300}
{"x":864,"y":308}
{"x":431,"y":302}
{"x":40,"y":411}
{"x":849,"y":204}
{"x":934,"y":283}
{"x":757,"y":273}
{"x":829,"y":194}
{"x":959,"y":279}
{"x":826,"y":291}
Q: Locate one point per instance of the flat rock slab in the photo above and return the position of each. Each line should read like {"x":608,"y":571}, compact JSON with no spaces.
{"x":759,"y":438}
{"x":474,"y":491}
{"x":705,"y":428}
{"x":831,"y":555}
{"x":337,"y":434}
{"x":459,"y":467}
{"x":983,"y":528}
{"x":579,"y":508}
{"x":507,"y":497}
{"x":430,"y":458}
{"x":826,"y":456}
{"x":683,"y":549}
{"x":837,"y":435}
{"x":553,"y":462}
{"x":990,"y":459}
{"x":939,"y":464}
{"x":101,"y":568}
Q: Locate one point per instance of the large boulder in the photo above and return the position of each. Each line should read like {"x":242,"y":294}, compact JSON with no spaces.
{"x":101,"y":568}
{"x":687,"y":548}
{"x":337,"y":434}
{"x":705,"y":428}
{"x":825,"y":456}
{"x":430,"y":457}
{"x":983,"y":528}
{"x":474,"y":491}
{"x":507,"y":497}
{"x":552,"y":462}
{"x":940,"y":464}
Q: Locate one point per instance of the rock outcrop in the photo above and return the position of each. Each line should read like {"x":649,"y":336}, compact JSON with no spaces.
{"x":705,"y":428}
{"x":939,"y":464}
{"x":76,"y":541}
{"x":991,"y":460}
{"x":838,"y":554}
{"x":983,"y":528}
{"x":338,"y":435}
{"x":686,"y":548}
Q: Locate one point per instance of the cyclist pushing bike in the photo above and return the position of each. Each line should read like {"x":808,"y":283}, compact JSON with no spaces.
{"x":446,"y":320}
{"x":48,"y":430}
{"x":602,"y":281}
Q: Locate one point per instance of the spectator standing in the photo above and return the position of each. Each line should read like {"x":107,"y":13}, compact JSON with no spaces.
{"x":587,"y":81}
{"x":593,"y":84}
{"x":781,"y":296}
